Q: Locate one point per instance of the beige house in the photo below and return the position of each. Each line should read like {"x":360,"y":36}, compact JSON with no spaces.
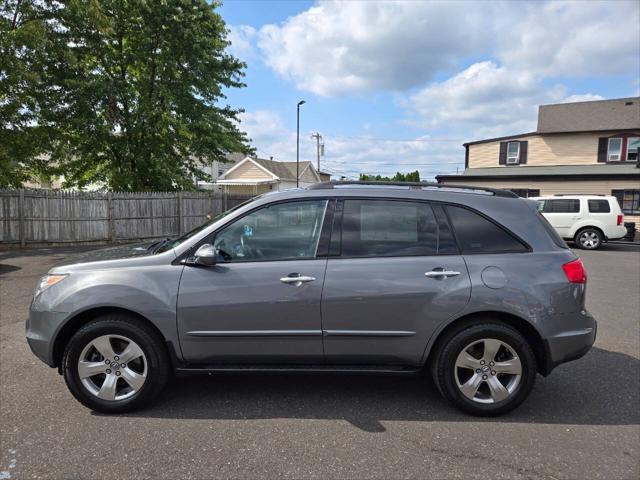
{"x":578,"y":148}
{"x":254,"y":176}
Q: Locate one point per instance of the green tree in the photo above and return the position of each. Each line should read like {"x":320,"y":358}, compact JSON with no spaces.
{"x":398,"y":177}
{"x":25,"y":46}
{"x":131,"y":92}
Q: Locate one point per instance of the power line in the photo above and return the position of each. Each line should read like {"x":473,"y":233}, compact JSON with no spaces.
{"x":402,"y":140}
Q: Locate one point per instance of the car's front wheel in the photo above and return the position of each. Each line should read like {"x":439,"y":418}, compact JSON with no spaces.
{"x":115,"y":364}
{"x":485,"y":369}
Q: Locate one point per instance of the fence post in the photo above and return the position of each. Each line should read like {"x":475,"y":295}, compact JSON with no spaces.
{"x":180,"y":213}
{"x":111,"y":228}
{"x":21,"y":229}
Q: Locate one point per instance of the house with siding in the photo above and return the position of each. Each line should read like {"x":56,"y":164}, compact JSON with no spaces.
{"x":254,"y":176}
{"x":577,"y":148}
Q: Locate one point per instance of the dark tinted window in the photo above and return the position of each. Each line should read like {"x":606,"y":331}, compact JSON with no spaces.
{"x":388,"y":228}
{"x":564,"y":205}
{"x":476,"y":234}
{"x":599,"y":206}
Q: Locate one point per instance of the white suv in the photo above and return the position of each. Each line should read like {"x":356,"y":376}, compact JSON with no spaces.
{"x":588,"y":220}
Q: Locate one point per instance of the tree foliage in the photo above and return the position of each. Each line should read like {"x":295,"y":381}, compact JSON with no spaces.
{"x":398,"y":177}
{"x":125,"y":93}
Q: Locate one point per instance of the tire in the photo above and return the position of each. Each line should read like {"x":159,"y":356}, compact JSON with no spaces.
{"x":588,"y":239}
{"x":122,"y":387}
{"x":478,"y":340}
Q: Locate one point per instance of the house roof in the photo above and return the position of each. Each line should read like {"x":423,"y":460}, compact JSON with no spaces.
{"x":282,"y":170}
{"x":599,"y":115}
{"x":592,"y":116}
{"x":525,"y":172}
{"x":235,"y":157}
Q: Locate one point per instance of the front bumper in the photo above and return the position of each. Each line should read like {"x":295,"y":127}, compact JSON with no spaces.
{"x":41,"y":330}
{"x":571,"y":345}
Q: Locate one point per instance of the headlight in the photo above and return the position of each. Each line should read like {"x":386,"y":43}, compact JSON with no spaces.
{"x":48,"y":281}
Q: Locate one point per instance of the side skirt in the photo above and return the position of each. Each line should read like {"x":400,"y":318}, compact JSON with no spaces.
{"x":288,"y":369}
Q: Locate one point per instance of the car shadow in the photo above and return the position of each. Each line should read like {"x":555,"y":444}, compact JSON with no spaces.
{"x":603,"y":388}
{"x":4,"y":268}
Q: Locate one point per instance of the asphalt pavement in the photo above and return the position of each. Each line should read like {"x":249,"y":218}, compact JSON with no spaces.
{"x":581,"y":422}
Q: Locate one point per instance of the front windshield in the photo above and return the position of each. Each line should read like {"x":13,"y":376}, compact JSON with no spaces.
{"x":168,"y":244}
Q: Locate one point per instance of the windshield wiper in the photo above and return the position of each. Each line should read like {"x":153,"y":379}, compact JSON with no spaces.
{"x":158,"y":245}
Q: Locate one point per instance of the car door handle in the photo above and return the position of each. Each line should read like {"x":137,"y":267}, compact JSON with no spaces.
{"x":441,"y":273}
{"x":296,"y":279}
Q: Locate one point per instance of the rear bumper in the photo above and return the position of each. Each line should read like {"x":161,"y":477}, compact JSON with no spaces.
{"x":616,"y":233}
{"x":571,"y":345}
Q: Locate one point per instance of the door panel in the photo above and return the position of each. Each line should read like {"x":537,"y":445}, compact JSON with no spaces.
{"x":261,"y":304}
{"x":384,"y":310}
{"x":244,"y":313}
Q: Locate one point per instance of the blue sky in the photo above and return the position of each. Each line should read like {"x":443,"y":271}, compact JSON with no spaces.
{"x":401,"y":85}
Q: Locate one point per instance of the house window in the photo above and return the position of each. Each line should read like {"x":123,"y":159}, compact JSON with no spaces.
{"x":525,"y":192}
{"x":629,"y":201}
{"x":633,"y":144}
{"x":614,"y":150}
{"x":513,"y":153}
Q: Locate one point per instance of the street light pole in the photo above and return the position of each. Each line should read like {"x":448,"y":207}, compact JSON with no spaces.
{"x":301,"y":102}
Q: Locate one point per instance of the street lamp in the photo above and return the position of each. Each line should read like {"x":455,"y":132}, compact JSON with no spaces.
{"x":301,"y":102}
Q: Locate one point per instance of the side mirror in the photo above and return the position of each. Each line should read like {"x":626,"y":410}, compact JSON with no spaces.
{"x":205,"y":255}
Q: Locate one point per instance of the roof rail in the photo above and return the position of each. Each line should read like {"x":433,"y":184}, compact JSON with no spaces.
{"x":414,"y":185}
{"x":579,"y":195}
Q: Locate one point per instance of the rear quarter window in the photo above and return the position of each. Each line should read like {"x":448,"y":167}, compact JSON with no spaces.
{"x":599,"y":206}
{"x":477,"y":234}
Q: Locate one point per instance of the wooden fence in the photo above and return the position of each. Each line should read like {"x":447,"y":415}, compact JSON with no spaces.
{"x":64,"y":217}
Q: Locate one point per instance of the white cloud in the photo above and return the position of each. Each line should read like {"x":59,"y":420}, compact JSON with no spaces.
{"x":586,"y":97}
{"x":574,"y":38}
{"x":242,"y":38}
{"x":484,"y":100}
{"x":337,"y":48}
{"x":350,"y":156}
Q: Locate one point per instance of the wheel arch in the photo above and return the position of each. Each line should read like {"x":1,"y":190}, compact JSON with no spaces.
{"x":594,"y":227}
{"x":523,"y":326}
{"x":76,"y":322}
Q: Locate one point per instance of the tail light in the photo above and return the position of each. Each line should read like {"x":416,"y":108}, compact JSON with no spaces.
{"x":620,"y":219}
{"x":575,"y":271}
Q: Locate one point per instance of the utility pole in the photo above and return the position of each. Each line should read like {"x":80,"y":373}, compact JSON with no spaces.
{"x":301,"y":102}
{"x":319,"y":146}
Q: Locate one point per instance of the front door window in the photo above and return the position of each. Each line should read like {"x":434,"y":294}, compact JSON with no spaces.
{"x":285,"y":231}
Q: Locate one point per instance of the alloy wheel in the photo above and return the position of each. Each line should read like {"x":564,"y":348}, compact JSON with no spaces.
{"x":112,"y":367}
{"x":488,"y":371}
{"x":589,"y":239}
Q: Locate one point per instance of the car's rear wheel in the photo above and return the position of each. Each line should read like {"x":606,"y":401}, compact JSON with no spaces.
{"x":485,"y":369}
{"x":588,"y":239}
{"x":115,"y":364}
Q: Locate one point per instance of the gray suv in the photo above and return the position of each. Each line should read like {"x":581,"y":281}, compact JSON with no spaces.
{"x":471,"y":284}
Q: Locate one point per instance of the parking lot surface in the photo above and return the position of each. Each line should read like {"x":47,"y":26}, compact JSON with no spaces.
{"x":580,"y":422}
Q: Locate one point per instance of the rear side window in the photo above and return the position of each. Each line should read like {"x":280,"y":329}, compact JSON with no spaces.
{"x":476,"y":234}
{"x":599,"y":206}
{"x":565,"y":205}
{"x":379,"y":228}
